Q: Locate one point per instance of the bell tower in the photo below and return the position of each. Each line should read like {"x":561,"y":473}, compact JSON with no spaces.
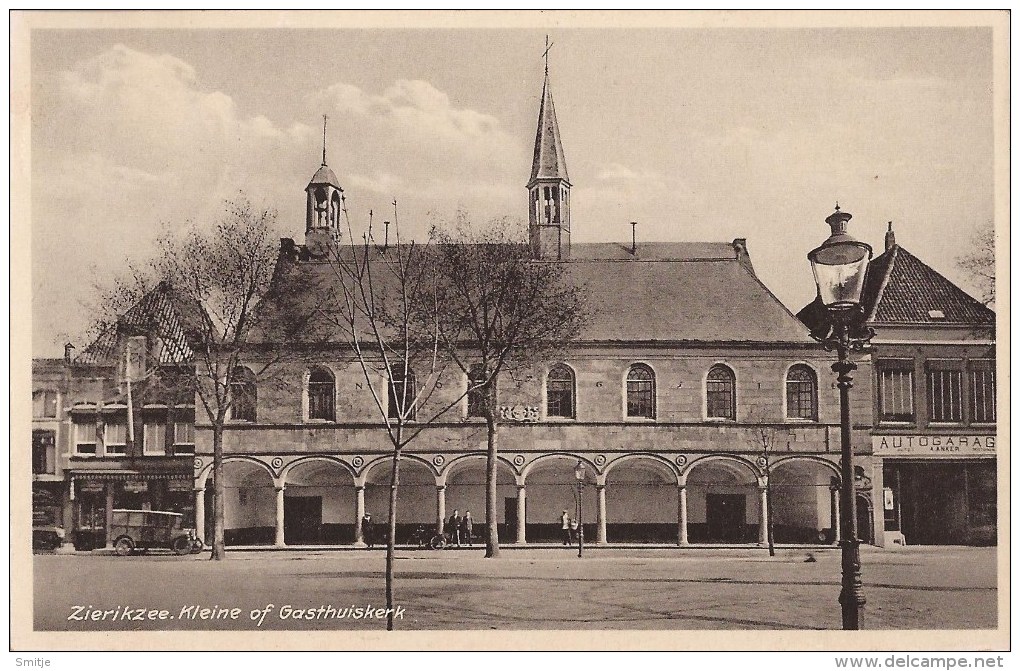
{"x":324,"y":204}
{"x":549,"y":186}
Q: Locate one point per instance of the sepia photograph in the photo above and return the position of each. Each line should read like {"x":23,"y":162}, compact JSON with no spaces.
{"x":335,"y":322}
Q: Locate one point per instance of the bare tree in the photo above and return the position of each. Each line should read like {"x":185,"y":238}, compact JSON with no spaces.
{"x":497,"y":309}
{"x":979,"y":262}
{"x":762,"y":438}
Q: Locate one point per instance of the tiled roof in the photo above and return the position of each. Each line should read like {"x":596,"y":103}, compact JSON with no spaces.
{"x":550,"y":162}
{"x":672,"y":292}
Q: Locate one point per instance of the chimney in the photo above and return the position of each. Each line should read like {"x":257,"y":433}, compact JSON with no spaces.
{"x":633,"y":237}
{"x":68,"y":353}
{"x":890,"y":238}
{"x":743,"y":258}
{"x":386,"y":239}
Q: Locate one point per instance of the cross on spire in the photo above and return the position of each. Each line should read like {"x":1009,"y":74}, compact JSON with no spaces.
{"x":545,"y":54}
{"x":324,"y":117}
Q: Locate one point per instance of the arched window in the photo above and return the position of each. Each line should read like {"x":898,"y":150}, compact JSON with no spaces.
{"x":801,"y":393}
{"x":720,"y":393}
{"x":559,"y":387}
{"x":401,"y":393}
{"x":243,"y":395}
{"x":321,"y":395}
{"x":641,"y":392}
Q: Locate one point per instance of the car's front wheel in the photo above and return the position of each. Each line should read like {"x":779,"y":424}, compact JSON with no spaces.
{"x":124,"y":546}
{"x":182,"y":545}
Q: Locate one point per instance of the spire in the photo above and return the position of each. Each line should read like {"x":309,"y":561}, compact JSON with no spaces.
{"x":550,"y":161}
{"x":890,"y":238}
{"x":324,"y":117}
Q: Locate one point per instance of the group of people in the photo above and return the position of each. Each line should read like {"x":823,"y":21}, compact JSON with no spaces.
{"x":568,"y":525}
{"x":460,"y":529}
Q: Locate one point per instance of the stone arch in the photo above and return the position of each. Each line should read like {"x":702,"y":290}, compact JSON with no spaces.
{"x":458,"y":463}
{"x":723,"y":499}
{"x":726,"y":458}
{"x":416,"y":494}
{"x":552,"y":488}
{"x":206,"y":472}
{"x":325,"y":458}
{"x":551,"y":456}
{"x":803,"y":499}
{"x":465,"y":490}
{"x":642,"y":499}
{"x":249,"y":501}
{"x":642,"y":455}
{"x":319,"y":502}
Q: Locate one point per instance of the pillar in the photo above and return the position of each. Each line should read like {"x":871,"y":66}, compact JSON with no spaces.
{"x":440,"y":508}
{"x":109,"y":514}
{"x":200,"y":513}
{"x":600,"y":536}
{"x":359,"y":512}
{"x":279,"y":516}
{"x":836,"y":516}
{"x":682,"y":505}
{"x":522,"y":514}
{"x":763,"y":528}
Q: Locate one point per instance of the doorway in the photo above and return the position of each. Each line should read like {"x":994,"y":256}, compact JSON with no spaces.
{"x":724,"y":516}
{"x":302,"y":520}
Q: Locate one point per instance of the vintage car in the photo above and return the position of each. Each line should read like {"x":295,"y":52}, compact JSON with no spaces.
{"x":143,"y":530}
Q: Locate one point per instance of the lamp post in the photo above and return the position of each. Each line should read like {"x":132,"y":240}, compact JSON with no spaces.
{"x":839,"y":266}
{"x":579,"y":475}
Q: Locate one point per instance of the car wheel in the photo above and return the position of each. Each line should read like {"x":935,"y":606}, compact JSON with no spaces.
{"x":182,"y":545}
{"x":124,"y":546}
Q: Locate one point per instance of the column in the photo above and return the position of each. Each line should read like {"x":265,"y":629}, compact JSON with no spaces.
{"x":200,"y":513}
{"x":359,"y":512}
{"x":763,"y":528}
{"x":522,"y":515}
{"x":836,"y":516}
{"x":682,"y":498}
{"x":440,"y":508}
{"x":279,"y":516}
{"x":109,"y":513}
{"x":600,"y":536}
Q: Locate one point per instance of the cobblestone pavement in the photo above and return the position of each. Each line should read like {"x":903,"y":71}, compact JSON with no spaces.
{"x":906,"y":588}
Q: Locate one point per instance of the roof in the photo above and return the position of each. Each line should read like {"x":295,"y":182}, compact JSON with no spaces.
{"x":550,"y":162}
{"x":903,"y":290}
{"x":672,"y":292}
{"x":159,"y":314}
{"x":324,"y":176}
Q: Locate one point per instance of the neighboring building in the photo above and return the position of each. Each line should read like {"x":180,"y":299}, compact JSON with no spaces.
{"x":662,"y":398}
{"x":934,"y":403}
{"x":49,"y":385}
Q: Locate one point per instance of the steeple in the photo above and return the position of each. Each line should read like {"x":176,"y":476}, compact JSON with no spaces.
{"x":549,"y":186}
{"x":324,"y":199}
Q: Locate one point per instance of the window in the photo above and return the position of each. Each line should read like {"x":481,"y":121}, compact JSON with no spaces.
{"x":982,"y":395}
{"x":85,"y":435}
{"x":184,"y":435}
{"x":945,"y":394}
{"x":401,"y":394}
{"x":476,"y":397}
{"x":559,"y":388}
{"x":154,"y":438}
{"x":321,"y":395}
{"x":720,"y":393}
{"x":801,"y":393}
{"x":44,"y":403}
{"x":641,"y":392}
{"x":243,"y":395}
{"x":43,"y":452}
{"x":896,"y":391}
{"x":115,"y":435}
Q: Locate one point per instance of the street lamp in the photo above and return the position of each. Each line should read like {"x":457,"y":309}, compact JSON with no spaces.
{"x":579,"y":475}
{"x":839,"y":266}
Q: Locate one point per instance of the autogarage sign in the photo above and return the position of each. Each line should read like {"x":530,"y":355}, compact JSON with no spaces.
{"x":932,"y":445}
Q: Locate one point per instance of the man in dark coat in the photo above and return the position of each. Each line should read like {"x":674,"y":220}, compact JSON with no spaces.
{"x":454,"y":528}
{"x":467,"y":527}
{"x":367,"y":531}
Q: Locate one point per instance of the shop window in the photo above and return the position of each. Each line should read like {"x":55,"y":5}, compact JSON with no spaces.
{"x":44,"y":403}
{"x":115,"y":435}
{"x":85,"y":436}
{"x":945,"y":393}
{"x":982,"y":396}
{"x":154,"y":438}
{"x":184,"y":436}
{"x":560,"y":392}
{"x":896,"y":391}
{"x":243,"y":395}
{"x":476,"y":397}
{"x":801,"y":393}
{"x":321,"y":395}
{"x":720,"y":393}
{"x":401,"y":394}
{"x":641,"y":392}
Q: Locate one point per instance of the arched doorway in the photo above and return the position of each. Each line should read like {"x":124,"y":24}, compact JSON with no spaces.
{"x":804,"y":501}
{"x":416,"y":498}
{"x":249,"y":504}
{"x":552,"y":489}
{"x":641,"y":502}
{"x":723,"y":502}
{"x":465,"y":491}
{"x":319,"y":504}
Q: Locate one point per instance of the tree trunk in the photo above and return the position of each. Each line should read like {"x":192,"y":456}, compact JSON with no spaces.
{"x":391,"y":535}
{"x":219,"y":549}
{"x":491,"y":473}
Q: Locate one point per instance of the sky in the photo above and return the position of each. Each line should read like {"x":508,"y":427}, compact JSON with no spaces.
{"x":696,"y":134}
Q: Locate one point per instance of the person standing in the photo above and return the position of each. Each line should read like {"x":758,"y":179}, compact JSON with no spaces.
{"x":367,"y":530}
{"x":455,"y":521}
{"x":467,"y":527}
{"x":573,"y":530}
{"x":565,"y":526}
